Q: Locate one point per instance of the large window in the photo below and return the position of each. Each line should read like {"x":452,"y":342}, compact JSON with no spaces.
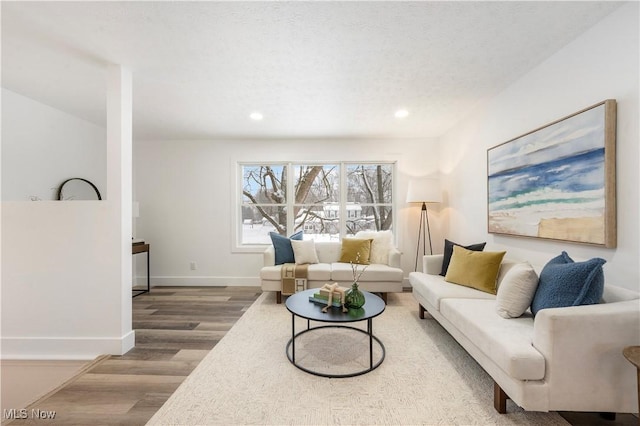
{"x":328,"y":201}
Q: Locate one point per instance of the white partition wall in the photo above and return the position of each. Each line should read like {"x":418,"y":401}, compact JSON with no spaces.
{"x":66,"y":266}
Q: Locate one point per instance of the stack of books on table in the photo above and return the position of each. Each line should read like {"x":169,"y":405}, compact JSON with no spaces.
{"x":322,"y":297}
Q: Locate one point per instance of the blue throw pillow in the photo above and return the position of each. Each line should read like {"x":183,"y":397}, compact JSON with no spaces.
{"x":564,"y":282}
{"x":282,"y":247}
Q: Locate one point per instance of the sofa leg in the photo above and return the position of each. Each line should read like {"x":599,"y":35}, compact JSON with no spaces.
{"x":383,"y":296}
{"x":421,"y":311}
{"x":278,"y":297}
{"x":499,"y":399}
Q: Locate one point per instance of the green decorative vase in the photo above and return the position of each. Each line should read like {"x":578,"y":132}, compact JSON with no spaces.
{"x":354,"y":298}
{"x":356,"y":313}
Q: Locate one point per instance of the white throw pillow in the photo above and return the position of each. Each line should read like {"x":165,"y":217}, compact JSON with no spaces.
{"x":304,"y":251}
{"x":380,"y":246}
{"x":516,"y":290}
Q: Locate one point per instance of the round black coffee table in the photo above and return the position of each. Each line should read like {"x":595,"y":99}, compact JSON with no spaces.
{"x":300,"y":306}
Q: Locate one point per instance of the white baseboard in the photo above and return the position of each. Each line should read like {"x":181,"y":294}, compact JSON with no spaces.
{"x":65,"y":348}
{"x":209,"y":281}
{"x":202,"y":281}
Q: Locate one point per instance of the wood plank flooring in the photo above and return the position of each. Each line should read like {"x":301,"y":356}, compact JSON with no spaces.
{"x":175,"y":329}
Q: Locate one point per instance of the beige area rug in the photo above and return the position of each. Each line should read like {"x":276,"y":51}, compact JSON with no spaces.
{"x":426,"y":377}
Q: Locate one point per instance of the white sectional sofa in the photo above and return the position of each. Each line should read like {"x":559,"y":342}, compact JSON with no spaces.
{"x":378,"y":278}
{"x":568,"y":359}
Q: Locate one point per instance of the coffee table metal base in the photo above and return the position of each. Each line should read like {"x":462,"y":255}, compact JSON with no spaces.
{"x":292,"y":354}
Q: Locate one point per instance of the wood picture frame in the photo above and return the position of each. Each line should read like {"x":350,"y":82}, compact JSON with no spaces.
{"x":557,"y":182}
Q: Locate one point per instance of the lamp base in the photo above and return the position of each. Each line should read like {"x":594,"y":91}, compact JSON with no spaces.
{"x":422,"y":228}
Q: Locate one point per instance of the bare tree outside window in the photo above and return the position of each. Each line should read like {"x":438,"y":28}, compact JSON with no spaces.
{"x":370,"y":186}
{"x":316,"y":205}
{"x":315,"y":212}
{"x":264,"y":193}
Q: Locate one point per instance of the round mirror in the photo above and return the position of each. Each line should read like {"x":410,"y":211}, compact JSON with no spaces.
{"x":78,"y":189}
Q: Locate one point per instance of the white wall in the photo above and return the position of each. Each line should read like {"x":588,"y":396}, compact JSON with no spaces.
{"x":600,"y":64}
{"x":59,"y":299}
{"x":66,"y":265}
{"x":184,"y":187}
{"x":185,"y":190}
{"x":43,"y":146}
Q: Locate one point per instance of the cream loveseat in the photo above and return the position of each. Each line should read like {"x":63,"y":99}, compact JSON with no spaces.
{"x":377,"y":278}
{"x":568,"y":359}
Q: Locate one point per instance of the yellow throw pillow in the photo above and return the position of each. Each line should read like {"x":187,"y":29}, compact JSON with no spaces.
{"x":355,"y":250}
{"x":476,"y":269}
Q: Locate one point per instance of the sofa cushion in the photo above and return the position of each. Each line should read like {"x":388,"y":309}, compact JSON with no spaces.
{"x":433,"y":288}
{"x":315,"y":272}
{"x":355,"y":250}
{"x":507,"y":342}
{"x":474,"y":269}
{"x":448,"y":252}
{"x":282,"y":247}
{"x":516,"y":290}
{"x":564,"y":282}
{"x":380,"y":246}
{"x":613,"y":293}
{"x":304,"y":251}
{"x":342,"y":272}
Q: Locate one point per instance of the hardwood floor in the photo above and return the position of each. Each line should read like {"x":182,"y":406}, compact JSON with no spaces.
{"x":175,"y":328}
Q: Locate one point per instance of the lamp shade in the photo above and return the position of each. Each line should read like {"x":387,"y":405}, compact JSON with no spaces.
{"x":424,"y":190}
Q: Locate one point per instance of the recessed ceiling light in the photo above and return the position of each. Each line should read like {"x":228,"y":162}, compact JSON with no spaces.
{"x":401,"y":113}
{"x":256,"y":116}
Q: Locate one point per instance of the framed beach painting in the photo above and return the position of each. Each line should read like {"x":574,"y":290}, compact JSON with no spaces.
{"x":557,"y":182}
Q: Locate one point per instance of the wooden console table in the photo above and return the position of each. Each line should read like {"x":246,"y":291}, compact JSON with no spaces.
{"x":142,"y":247}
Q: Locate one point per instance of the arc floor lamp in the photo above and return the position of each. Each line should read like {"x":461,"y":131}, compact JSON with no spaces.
{"x":424,"y":190}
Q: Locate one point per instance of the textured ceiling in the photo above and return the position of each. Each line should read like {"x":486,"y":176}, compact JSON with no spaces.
{"x":313,"y":69}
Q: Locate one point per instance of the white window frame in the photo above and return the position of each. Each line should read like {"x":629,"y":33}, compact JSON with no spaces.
{"x":236,"y":196}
